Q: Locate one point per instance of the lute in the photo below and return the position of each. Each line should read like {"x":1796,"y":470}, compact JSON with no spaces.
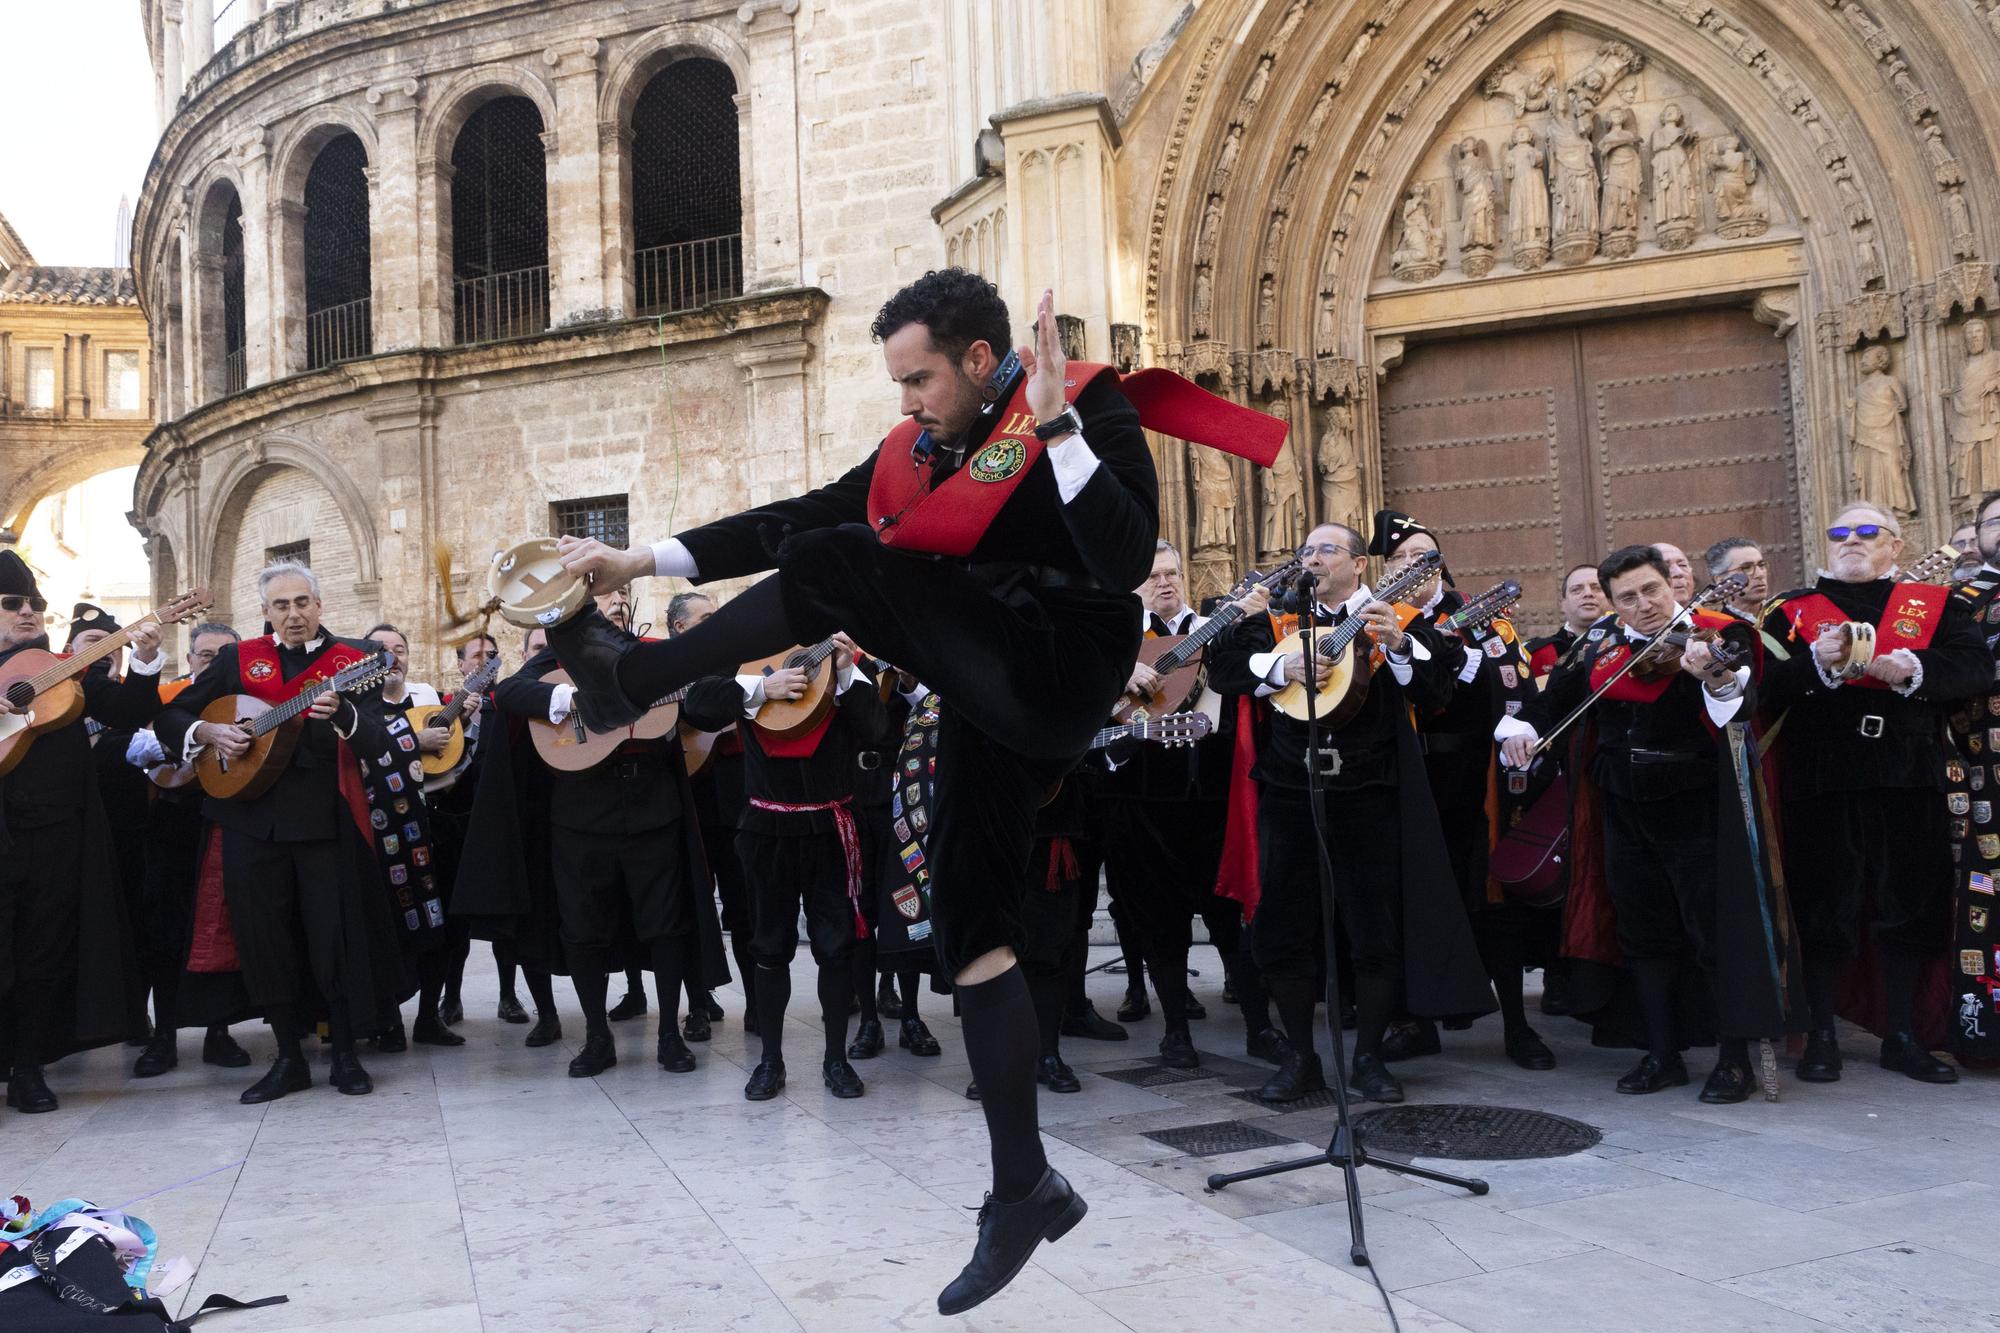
{"x":450,"y":716}
{"x":274,"y":732}
{"x":794,"y":717}
{"x":1177,"y":657}
{"x":1346,"y":687}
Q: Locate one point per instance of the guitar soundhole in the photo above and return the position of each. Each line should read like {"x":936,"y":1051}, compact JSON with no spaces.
{"x":20,"y":694}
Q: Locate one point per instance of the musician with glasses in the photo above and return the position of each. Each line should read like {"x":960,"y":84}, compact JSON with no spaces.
{"x":1740,"y":555}
{"x":1864,"y":758}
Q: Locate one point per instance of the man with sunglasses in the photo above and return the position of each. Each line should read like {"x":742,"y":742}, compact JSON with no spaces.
{"x":1866,"y":836}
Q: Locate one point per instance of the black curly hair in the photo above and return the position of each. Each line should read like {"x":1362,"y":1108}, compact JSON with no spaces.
{"x":959,"y":308}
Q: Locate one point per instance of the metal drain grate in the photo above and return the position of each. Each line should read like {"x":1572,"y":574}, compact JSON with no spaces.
{"x":1312,"y":1101}
{"x":1153,"y":1076}
{"x":1216,"y":1138}
{"x":1474,"y":1133}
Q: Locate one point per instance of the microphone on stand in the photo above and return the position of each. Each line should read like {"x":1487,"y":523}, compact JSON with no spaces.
{"x":1298,"y":597}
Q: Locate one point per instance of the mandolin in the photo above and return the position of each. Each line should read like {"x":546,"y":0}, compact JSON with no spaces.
{"x":274,"y":732}
{"x":1482,"y":610}
{"x":786,"y":718}
{"x":43,"y":686}
{"x":571,"y":747}
{"x":450,"y":716}
{"x":1346,"y":687}
{"x":1177,"y":657}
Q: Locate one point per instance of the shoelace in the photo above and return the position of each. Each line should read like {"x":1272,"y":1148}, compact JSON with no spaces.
{"x":985,"y":1207}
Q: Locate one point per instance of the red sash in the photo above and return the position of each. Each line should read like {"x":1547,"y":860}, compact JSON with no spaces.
{"x":1909,"y":620}
{"x":263,"y":678}
{"x":1631,"y":689}
{"x":950,"y":520}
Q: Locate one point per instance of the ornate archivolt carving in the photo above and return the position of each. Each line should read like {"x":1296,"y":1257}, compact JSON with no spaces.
{"x":1594,"y":82}
{"x":1419,"y":254}
{"x":1337,"y":462}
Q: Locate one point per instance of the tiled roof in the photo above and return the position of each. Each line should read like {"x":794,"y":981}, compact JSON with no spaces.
{"x":20,"y":246}
{"x":43,"y":285}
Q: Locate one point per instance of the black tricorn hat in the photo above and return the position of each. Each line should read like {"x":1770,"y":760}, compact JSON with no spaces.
{"x":16,"y":579}
{"x":1392,"y":529}
{"x":88,"y":617}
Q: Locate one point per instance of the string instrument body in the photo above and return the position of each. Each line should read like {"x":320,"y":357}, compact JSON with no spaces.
{"x":786,"y":718}
{"x":1346,"y":688}
{"x":570,"y":747}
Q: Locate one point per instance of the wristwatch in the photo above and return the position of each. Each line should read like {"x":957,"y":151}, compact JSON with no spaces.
{"x":1062,"y":423}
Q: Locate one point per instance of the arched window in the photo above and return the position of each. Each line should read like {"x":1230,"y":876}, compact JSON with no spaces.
{"x":235,"y":339}
{"x":220,"y":339}
{"x":500,"y":223}
{"x":687,"y":189}
{"x":339,"y":312}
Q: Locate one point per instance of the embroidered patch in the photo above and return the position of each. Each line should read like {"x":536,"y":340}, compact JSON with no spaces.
{"x":999,"y":460}
{"x":391,"y":844}
{"x":261,"y":671}
{"x":1980,"y":882}
{"x":1976,"y":918}
{"x":1959,"y":803}
{"x":1508,"y":678}
{"x":908,"y":902}
{"x":1972,"y":962}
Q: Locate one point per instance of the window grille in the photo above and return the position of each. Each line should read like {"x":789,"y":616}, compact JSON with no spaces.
{"x":500,"y":223}
{"x":338,"y":310}
{"x":299,"y":553}
{"x":234,"y":338}
{"x":687,"y":189}
{"x":605,"y":517}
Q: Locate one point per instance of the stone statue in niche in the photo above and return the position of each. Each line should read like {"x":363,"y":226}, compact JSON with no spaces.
{"x":1868,"y":258}
{"x":1260,"y":79}
{"x":1339,"y":467}
{"x":1738,"y":215}
{"x":1274,"y":242}
{"x":1527,"y":200}
{"x":1282,"y":524}
{"x":1209,"y":237}
{"x":1944,"y":167}
{"x":1624,"y":177}
{"x":1204,"y":300}
{"x":1225,"y":157}
{"x":1879,"y":43}
{"x":1676,"y":202}
{"x":1419,"y":253}
{"x":1576,"y":216}
{"x":1527,"y":90}
{"x":1326,"y":330}
{"x":1125,"y":347}
{"x":1479,"y":207}
{"x":1069,"y":330}
{"x":1958,"y":219}
{"x":1973,"y":413}
{"x":1214,"y":500}
{"x":1267,"y":311}
{"x":1878,"y":456}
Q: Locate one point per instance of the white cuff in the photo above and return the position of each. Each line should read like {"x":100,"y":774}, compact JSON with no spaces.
{"x":1268,"y":668}
{"x":560,"y":702}
{"x":843,"y":678}
{"x":1721,"y":709}
{"x":188,"y":741}
{"x":1831,"y":682}
{"x":1510,"y":726}
{"x":143,"y":750}
{"x":753,"y":693}
{"x":1914,"y":683}
{"x":672,"y":561}
{"x":135,"y":667}
{"x":1473,"y":657}
{"x":1074,"y":463}
{"x":914,"y":696}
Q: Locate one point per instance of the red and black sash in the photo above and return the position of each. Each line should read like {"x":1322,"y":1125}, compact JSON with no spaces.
{"x":1608,"y":660}
{"x":264,"y":678}
{"x":1909,"y":620}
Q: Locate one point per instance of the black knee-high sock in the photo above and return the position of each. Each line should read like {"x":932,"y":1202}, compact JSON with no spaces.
{"x":1251,"y":996}
{"x":861,"y":975}
{"x":999,"y":1023}
{"x":166,"y":1002}
{"x":746,"y":968}
{"x":635,"y":981}
{"x":774,"y":992}
{"x":288,"y":1028}
{"x":1169,"y":968}
{"x":454,"y":977}
{"x":1295,"y":998}
{"x":908,"y":979}
{"x":669,"y":962}
{"x":1131,"y":943}
{"x":431,"y":971}
{"x":1822,"y":986}
{"x":1900,"y":970}
{"x":541,"y":989}
{"x":836,"y":989}
{"x":1654,"y":980}
{"x":1045,"y":992}
{"x":1499,"y":942}
{"x":748,"y":626}
{"x":1378,"y":997}
{"x":590,"y":974}
{"x":505,"y":957}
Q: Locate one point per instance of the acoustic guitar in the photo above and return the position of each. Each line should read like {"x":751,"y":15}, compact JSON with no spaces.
{"x":786,"y":718}
{"x":1489,"y":606}
{"x":696,"y":747}
{"x":274,"y":732}
{"x":450,"y":717}
{"x":571,"y":747}
{"x":44,"y":688}
{"x":1346,"y":687}
{"x":1173,"y":729}
{"x":1177,"y":657}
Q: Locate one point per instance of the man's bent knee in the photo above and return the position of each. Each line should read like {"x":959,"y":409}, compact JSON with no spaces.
{"x":987,"y":966}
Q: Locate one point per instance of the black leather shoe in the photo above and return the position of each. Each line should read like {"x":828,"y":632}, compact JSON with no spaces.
{"x":1195,"y":1010}
{"x":1135,"y":1007}
{"x":673,"y":1054}
{"x":696,"y":1026}
{"x":1053,"y":1074}
{"x":972,"y":1091}
{"x":28,"y":1092}
{"x":1177,"y":1050}
{"x":1090,"y":1024}
{"x":348,"y":1077}
{"x":510,"y":1010}
{"x":633,"y":1005}
{"x":433,"y":1032}
{"x":589,"y":647}
{"x":1411,"y":1040}
{"x":547,"y":1031}
{"x":915,"y":1038}
{"x":1821,"y":1061}
{"x":1653,"y":1074}
{"x":1267,"y":1044}
{"x":1901,"y":1053}
{"x":708,"y":1007}
{"x":1299,"y":1076}
{"x":841,"y":1080}
{"x":887,"y":1002}
{"x":220,"y":1049}
{"x":286,"y":1074}
{"x":393,"y":1042}
{"x":767,"y":1080}
{"x":159,"y":1056}
{"x":599,"y":1053}
{"x":1371,"y":1079}
{"x":451,"y":1013}
{"x":1008,"y":1234}
{"x":868,"y":1040}
{"x":1728,"y":1083}
{"x":1527,"y":1049}
{"x":1555,"y":994}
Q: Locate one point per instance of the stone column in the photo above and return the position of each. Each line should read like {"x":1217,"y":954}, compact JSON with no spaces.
{"x":6,"y":373}
{"x":576,"y":216}
{"x":774,"y":368}
{"x":270,"y":288}
{"x":66,"y":397}
{"x":200,"y":34}
{"x":79,"y":394}
{"x":435,"y":295}
{"x":771,"y":216}
{"x":614,"y":156}
{"x":407,"y":492}
{"x":395,"y":247}
{"x":172,"y":79}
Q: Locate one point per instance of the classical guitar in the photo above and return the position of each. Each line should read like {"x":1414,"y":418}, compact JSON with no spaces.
{"x":1177,"y":657}
{"x":786,"y":718}
{"x":274,"y":732}
{"x":696,"y":747}
{"x":1346,"y":685}
{"x":450,"y":716}
{"x":1173,"y":729}
{"x":572,"y":747}
{"x":45,"y":688}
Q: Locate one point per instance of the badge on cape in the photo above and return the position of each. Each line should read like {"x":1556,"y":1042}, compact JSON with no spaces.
{"x":1495,"y":648}
{"x":391,"y":844}
{"x":1980,"y":882}
{"x":1989,"y":850}
{"x":1508,"y":677}
{"x":1976,"y":918}
{"x":1982,"y":812}
{"x":1959,"y":803}
{"x":909,"y":904}
{"x":260,"y":671}
{"x":1960,"y":827}
{"x":1972,"y":962}
{"x":999,"y":460}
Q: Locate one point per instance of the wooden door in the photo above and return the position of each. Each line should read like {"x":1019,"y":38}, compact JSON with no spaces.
{"x":1532,"y":452}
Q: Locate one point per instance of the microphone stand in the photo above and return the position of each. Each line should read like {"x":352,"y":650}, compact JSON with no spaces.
{"x":1345,"y":1149}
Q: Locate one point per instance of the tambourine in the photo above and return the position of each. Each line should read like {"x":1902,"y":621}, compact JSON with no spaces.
{"x":1857,"y":640}
{"x":532,"y":587}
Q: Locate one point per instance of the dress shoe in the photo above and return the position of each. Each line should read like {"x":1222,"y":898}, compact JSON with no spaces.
{"x":451,"y":1013}
{"x":1555,"y":994}
{"x":767,"y":1080}
{"x":915,"y":1038}
{"x":599,"y":1053}
{"x":1053,"y":1074}
{"x":696,"y":1027}
{"x":547,"y":1031}
{"x":1267,"y":1044}
{"x":1901,"y":1052}
{"x":159,"y":1056}
{"x":841,"y":1080}
{"x":633,"y":1005}
{"x":673,"y":1054}
{"x":1409,"y":1040}
{"x":1087,"y":1022}
{"x":1194,"y":1010}
{"x":589,"y":647}
{"x":1821,"y":1061}
{"x":1526,"y":1048}
{"x":972,"y":1091}
{"x":887,"y":1002}
{"x":708,"y":1007}
{"x":868,"y":1041}
{"x":1371,"y":1079}
{"x":1728,"y":1083}
{"x":510,"y":1010}
{"x":28,"y":1092}
{"x":1299,"y":1076}
{"x":347,"y":1077}
{"x":286,"y":1074}
{"x":1653,"y":1074}
{"x":1177,"y":1050}
{"x":1008,"y":1234}
{"x":393,"y":1042}
{"x":220,"y":1049}
{"x":1135,"y":1007}
{"x":433,"y":1032}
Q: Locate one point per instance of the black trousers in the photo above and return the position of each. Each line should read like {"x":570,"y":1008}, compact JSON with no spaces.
{"x":1659,"y":870}
{"x":301,"y":910}
{"x":731,"y":886}
{"x":1363,"y":829}
{"x":1880,"y":859}
{"x":785,"y":874}
{"x":40,"y":880}
{"x":1049,"y":915}
{"x":604,"y":880}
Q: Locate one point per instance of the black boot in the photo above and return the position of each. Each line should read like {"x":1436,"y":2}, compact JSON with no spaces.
{"x":1652,"y":1074}
{"x":599,"y":1053}
{"x":1821,"y":1061}
{"x":589,"y":647}
{"x":1526,"y":1048}
{"x":841,"y":1080}
{"x":1299,"y":1076}
{"x":433,"y":1032}
{"x":28,"y":1092}
{"x":1056,"y":1076}
{"x":868,"y":1040}
{"x":288,"y":1073}
{"x":914,"y":1037}
{"x":159,"y":1056}
{"x":1008,"y":1235}
{"x":1087,"y":1022}
{"x":547,"y":1031}
{"x":220,"y":1049}
{"x":1902,"y":1053}
{"x":1177,"y":1049}
{"x":767,"y":1080}
{"x":673,"y":1054}
{"x":1371,"y":1079}
{"x":347,"y":1076}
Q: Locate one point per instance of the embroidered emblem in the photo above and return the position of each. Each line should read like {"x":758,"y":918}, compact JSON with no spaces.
{"x":908,"y":903}
{"x":1972,"y":962}
{"x":261,"y":671}
{"x":1976,"y":918}
{"x":999,"y":460}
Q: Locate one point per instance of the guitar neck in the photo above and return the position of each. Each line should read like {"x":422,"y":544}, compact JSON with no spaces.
{"x":1198,"y":638}
{"x":78,"y":663}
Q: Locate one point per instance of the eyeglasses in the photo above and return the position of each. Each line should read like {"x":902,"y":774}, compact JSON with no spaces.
{"x":1867,"y":532}
{"x":1327,"y":551}
{"x":201,"y":655}
{"x":1749,"y":566}
{"x":13,"y":604}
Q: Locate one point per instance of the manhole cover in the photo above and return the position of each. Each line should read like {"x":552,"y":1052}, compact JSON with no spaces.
{"x":1312,"y":1101}
{"x":1212,"y":1140}
{"x":1474,"y":1133}
{"x":1153,"y":1076}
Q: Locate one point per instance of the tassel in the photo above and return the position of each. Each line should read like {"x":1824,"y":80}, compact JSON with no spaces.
{"x":478,"y":620}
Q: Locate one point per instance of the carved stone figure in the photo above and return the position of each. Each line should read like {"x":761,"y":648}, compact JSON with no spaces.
{"x":1282,"y":523}
{"x":1676,"y":203}
{"x":1973,"y":413}
{"x":1576,"y":217}
{"x":1267,"y":311}
{"x":1958,"y":219}
{"x":1339,"y":467}
{"x":1613,"y":61}
{"x":1260,"y":79}
{"x":1274,"y":242}
{"x":1479,"y":208}
{"x":1879,"y":43}
{"x":1225,"y":156}
{"x":1125,"y":347}
{"x":1527,"y":90}
{"x":1419,"y":253}
{"x":1527,"y":201}
{"x":1204,"y":300}
{"x":1944,"y":167}
{"x":1209,"y":237}
{"x":1624,"y":175}
{"x":1738,"y":214}
{"x":1214,"y":500}
{"x":1288,"y":184}
{"x":1326,"y":329}
{"x":1868,"y":258}
{"x":1878,"y":466}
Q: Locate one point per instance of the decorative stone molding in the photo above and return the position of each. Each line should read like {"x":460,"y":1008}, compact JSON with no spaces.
{"x":1778,"y":308}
